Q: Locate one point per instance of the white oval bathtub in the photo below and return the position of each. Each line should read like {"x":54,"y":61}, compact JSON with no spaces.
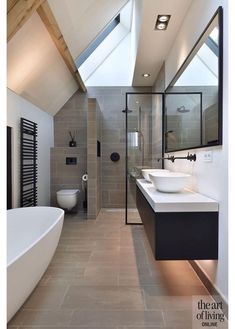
{"x":32,"y":237}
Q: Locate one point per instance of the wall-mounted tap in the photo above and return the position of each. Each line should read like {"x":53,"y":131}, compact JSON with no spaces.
{"x":190,"y":157}
{"x":168,"y":158}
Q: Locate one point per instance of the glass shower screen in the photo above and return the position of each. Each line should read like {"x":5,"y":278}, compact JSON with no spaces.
{"x":143,"y":143}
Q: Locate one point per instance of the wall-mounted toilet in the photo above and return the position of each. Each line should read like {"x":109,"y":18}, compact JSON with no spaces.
{"x":67,"y":199}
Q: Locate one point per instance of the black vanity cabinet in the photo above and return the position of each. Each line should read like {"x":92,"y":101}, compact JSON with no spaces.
{"x":179,"y":235}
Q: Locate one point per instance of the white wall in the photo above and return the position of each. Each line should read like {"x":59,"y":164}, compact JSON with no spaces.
{"x":18,"y":107}
{"x":35,"y":68}
{"x":210,"y":179}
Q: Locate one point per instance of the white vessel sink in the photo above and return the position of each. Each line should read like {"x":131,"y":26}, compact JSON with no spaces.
{"x":146,"y":172}
{"x":169,"y":181}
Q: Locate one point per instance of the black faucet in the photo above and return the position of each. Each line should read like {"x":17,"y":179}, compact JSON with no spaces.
{"x":190,"y":157}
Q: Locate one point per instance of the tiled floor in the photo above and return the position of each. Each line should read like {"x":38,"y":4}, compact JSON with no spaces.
{"x":103,"y":275}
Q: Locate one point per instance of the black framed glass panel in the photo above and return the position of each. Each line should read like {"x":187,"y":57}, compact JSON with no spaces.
{"x":143,"y":143}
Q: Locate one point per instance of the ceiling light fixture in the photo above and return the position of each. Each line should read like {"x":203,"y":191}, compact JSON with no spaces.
{"x":163,"y":18}
{"x":161,"y":26}
{"x":146,"y":75}
{"x":162,"y":22}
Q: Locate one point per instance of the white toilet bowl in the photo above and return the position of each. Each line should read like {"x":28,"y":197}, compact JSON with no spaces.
{"x":67,"y":199}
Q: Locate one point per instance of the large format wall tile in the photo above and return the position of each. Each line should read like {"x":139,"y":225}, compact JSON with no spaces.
{"x":108,"y":103}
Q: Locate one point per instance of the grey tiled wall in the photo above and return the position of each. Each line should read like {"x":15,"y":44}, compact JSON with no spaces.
{"x":93,"y":161}
{"x":112,"y":101}
{"x":71,"y":117}
{"x":67,"y":176}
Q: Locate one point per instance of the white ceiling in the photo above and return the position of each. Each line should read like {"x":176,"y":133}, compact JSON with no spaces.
{"x":80,"y":21}
{"x":154,"y":45}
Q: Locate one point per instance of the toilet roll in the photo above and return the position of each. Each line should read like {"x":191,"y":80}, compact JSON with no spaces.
{"x":85,"y":177}
{"x":84,"y":181}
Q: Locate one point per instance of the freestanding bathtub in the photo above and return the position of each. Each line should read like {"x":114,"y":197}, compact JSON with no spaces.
{"x":32,"y":237}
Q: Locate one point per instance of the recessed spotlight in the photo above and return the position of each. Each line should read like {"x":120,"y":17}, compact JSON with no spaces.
{"x":146,"y":75}
{"x":162,"y":22}
{"x":163,"y":18}
{"x":161,"y":26}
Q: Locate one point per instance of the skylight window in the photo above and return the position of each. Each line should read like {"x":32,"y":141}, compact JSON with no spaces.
{"x":97,"y":63}
{"x":98,"y":40}
{"x":215,"y":35}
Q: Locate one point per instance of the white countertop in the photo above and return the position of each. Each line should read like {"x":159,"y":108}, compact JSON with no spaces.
{"x":184,"y":201}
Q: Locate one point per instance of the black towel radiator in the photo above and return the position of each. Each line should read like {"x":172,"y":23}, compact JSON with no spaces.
{"x":28,"y":167}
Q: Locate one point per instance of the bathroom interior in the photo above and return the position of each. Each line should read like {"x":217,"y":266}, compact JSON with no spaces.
{"x":117,"y":148}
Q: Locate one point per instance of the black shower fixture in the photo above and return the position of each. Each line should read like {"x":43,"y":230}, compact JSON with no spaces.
{"x":182,"y":109}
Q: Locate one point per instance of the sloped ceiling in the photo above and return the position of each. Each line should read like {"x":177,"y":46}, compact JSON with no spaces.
{"x":153,"y":45}
{"x":80,"y":21}
{"x":35,"y":69}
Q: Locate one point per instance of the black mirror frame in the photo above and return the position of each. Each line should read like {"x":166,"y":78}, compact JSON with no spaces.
{"x":218,"y":12}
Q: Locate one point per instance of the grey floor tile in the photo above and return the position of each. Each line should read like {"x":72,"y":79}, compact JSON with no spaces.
{"x":154,"y":327}
{"x":70,"y":256}
{"x":46,"y":297}
{"x":104,"y":276}
{"x":160,"y":302}
{"x":42,"y":318}
{"x":58,"y":270}
{"x":100,"y":271}
{"x":117,"y":318}
{"x":178,"y":318}
{"x":60,"y":327}
{"x":103,"y":298}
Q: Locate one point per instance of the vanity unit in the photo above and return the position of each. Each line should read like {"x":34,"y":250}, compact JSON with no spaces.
{"x":179,"y":226}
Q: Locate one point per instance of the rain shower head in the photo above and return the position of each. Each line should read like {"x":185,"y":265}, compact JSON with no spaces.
{"x":182,"y":109}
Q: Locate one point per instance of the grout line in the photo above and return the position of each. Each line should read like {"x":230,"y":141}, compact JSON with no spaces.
{"x":65,"y":293}
{"x":144,"y":299}
{"x":163,"y":317}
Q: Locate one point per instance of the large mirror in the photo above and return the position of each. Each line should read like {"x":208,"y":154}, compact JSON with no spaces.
{"x":193,"y":100}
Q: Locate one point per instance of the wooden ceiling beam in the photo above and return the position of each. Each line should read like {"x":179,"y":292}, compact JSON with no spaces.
{"x":19,"y":11}
{"x":10,"y":4}
{"x":50,"y":23}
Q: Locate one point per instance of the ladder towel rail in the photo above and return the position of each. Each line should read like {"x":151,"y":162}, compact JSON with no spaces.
{"x":28,"y":167}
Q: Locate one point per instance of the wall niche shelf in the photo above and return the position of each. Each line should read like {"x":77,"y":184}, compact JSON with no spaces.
{"x":179,"y":226}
